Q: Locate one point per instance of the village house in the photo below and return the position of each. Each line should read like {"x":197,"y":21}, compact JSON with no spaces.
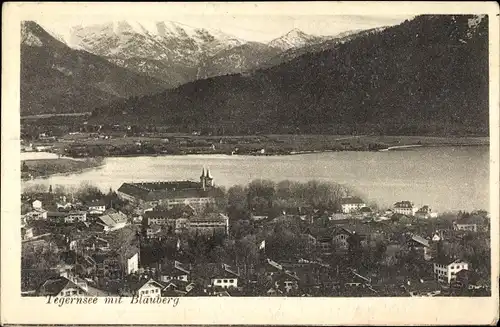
{"x":208,"y":224}
{"x":63,"y":204}
{"x":465,"y":224}
{"x":60,"y":286}
{"x":174,"y":271}
{"x":421,"y":245}
{"x":37,"y":214}
{"x":177,"y":288}
{"x":405,"y":208}
{"x":170,"y":194}
{"x":226,"y":277}
{"x":37,"y":204}
{"x":96,"y":207}
{"x":425,"y":212}
{"x":340,"y":238}
{"x":351,"y":204}
{"x":159,"y":217}
{"x":146,"y":287}
{"x":76,"y":216}
{"x":445,"y":269}
{"x":112,"y":220}
{"x":65,"y":217}
{"x":95,"y":243}
{"x":58,"y":217}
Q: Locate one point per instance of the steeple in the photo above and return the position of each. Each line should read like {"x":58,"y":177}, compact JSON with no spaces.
{"x":203,"y":179}
{"x":208,"y":179}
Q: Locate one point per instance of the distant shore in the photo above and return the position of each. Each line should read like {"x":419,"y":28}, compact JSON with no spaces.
{"x":85,"y":145}
{"x":45,"y":168}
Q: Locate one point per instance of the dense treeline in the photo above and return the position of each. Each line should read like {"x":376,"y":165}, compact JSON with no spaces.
{"x":424,"y":76}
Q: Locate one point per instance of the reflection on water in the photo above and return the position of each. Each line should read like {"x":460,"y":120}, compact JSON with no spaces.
{"x":447,"y":178}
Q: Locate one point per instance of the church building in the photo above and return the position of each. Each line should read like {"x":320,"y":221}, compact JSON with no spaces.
{"x":171,"y":193}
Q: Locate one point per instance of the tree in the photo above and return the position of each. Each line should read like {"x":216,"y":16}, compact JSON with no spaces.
{"x":24,"y":167}
{"x":355,"y":250}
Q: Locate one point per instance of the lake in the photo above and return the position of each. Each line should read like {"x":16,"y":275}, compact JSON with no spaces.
{"x":446,"y":178}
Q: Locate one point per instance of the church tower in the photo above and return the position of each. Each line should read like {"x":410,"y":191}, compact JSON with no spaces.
{"x":206,"y":180}
{"x":209,"y":180}
{"x":202,"y":179}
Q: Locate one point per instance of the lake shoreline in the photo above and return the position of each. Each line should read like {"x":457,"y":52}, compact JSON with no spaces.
{"x":428,"y":175}
{"x":292,"y":153}
{"x":39,"y":169}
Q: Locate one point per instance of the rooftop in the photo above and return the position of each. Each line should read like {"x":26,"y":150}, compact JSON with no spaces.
{"x":403,"y":204}
{"x":112,"y":219}
{"x":153,"y":191}
{"x":420,"y":240}
{"x":54,"y":286}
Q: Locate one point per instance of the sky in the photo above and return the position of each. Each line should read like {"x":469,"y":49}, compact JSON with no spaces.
{"x":259,"y":28}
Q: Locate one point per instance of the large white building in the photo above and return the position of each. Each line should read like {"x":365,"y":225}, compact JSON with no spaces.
{"x":351,"y":204}
{"x":405,"y":208}
{"x":170,"y":194}
{"x":445,"y":270}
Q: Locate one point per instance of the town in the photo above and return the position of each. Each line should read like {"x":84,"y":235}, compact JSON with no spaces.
{"x":193,"y":238}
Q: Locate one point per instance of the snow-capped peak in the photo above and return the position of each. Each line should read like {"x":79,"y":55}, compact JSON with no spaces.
{"x":293,"y":39}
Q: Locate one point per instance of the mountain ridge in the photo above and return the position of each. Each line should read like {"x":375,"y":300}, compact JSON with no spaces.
{"x":58,"y":79}
{"x":175,"y":52}
{"x":370,"y":84}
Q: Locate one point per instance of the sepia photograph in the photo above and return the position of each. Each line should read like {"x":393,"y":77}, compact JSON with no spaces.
{"x":252,"y":154}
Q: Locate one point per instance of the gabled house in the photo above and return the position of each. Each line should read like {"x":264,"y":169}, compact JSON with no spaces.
{"x":446,"y":269}
{"x":37,"y":214}
{"x":146,"y":287}
{"x":113,"y":220}
{"x":177,"y":288}
{"x":405,"y":208}
{"x":421,"y":245}
{"x":465,"y":225}
{"x":340,"y":237}
{"x":175,"y":271}
{"x":96,"y":207}
{"x":75,"y":216}
{"x":60,"y":286}
{"x":425,"y":212}
{"x":96,"y":243}
{"x":351,"y":204}
{"x":225,"y":277}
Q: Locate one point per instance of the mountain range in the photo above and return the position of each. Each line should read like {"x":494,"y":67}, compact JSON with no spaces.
{"x":88,"y":66}
{"x":428,"y":75}
{"x":177,"y":53}
{"x":58,"y":79}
